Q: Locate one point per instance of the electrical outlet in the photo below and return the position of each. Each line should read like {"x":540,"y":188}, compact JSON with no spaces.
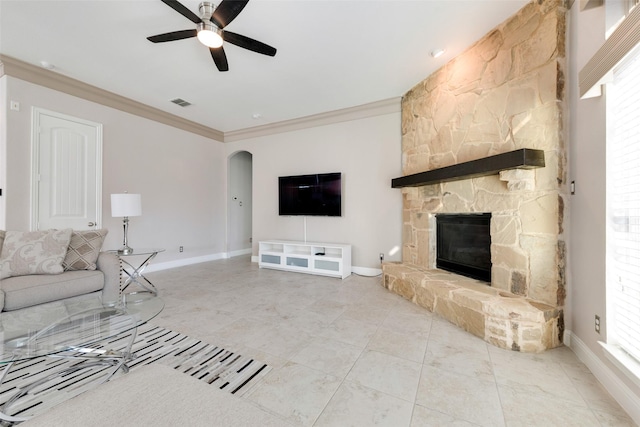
{"x":381,"y":257}
{"x":597,"y":323}
{"x":181,"y":248}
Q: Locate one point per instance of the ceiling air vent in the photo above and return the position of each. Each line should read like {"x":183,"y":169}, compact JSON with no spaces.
{"x":181,"y":102}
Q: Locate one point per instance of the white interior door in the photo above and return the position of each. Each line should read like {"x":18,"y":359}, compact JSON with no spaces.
{"x":67,"y":172}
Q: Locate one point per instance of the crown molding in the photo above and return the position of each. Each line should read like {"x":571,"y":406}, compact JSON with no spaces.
{"x":378,"y":108}
{"x":40,"y":76}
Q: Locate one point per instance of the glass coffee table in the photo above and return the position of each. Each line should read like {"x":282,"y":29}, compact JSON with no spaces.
{"x":69,"y":330}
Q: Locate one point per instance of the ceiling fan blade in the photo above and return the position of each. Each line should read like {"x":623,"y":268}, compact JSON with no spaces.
{"x":248,"y":43}
{"x":182,"y":10}
{"x":227,"y":11}
{"x":175,"y":35}
{"x":220,"y":58}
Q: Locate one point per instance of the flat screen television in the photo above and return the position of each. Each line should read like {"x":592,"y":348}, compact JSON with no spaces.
{"x":311,"y":195}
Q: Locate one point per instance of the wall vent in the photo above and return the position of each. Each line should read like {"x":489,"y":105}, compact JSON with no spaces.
{"x":181,"y":102}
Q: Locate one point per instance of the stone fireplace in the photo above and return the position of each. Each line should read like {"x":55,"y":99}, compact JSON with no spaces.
{"x":505,"y":93}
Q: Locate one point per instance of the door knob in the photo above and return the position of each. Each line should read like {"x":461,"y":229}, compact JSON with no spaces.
{"x":92,"y":224}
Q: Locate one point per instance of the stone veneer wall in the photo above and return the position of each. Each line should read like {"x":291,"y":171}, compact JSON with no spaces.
{"x":504,"y":93}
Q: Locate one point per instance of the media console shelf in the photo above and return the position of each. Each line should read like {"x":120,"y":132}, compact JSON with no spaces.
{"x":325,"y":259}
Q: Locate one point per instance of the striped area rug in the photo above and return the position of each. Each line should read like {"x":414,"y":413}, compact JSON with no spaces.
{"x":219,"y":367}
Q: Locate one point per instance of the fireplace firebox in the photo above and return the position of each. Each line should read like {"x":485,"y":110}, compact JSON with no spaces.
{"x":463,"y":244}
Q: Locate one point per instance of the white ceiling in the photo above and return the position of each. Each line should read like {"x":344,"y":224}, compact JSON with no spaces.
{"x":332,"y":54}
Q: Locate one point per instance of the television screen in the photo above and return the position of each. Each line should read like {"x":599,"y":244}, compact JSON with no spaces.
{"x":312,"y":195}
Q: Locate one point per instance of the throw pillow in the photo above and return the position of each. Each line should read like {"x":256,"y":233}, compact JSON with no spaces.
{"x":33,"y":252}
{"x":84,"y":249}
{"x":1,"y":239}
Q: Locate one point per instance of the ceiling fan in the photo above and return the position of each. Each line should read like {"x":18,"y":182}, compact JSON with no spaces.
{"x":210,"y":29}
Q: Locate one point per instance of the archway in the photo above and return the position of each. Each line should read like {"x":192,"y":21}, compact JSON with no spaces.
{"x":239,"y":206}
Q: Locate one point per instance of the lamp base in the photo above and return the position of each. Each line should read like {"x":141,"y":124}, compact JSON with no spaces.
{"x":125,"y":251}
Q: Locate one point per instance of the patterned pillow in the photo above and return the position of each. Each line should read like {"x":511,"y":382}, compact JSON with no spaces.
{"x":84,"y":249}
{"x":33,"y":252}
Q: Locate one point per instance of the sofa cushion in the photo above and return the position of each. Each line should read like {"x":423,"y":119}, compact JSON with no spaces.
{"x":84,"y":249}
{"x":25,"y":291}
{"x":33,"y":252}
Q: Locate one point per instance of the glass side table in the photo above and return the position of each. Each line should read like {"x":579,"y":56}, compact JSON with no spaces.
{"x":134,"y":274}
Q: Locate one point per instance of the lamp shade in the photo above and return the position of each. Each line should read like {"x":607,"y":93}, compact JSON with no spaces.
{"x":126,"y":204}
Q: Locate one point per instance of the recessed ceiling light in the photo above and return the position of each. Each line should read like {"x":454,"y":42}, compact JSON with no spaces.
{"x":47,"y":65}
{"x":437,"y":52}
{"x":257,"y":116}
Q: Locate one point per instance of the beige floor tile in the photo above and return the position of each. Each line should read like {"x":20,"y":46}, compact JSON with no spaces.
{"x":329,"y":356}
{"x":349,"y":331}
{"x":591,"y":390}
{"x":355,"y":405}
{"x":460,"y":396}
{"x":523,"y":406}
{"x":608,"y":419}
{"x":295,"y":392}
{"x":459,"y":359}
{"x":373,"y":316}
{"x":315,"y":331}
{"x":398,"y":344}
{"x":388,"y":374}
{"x":425,"y":417}
{"x":409,"y":323}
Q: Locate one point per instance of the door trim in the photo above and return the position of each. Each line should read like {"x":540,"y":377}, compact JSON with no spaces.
{"x":36,"y":113}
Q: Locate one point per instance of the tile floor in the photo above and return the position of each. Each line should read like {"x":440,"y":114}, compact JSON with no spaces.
{"x":349,"y":353}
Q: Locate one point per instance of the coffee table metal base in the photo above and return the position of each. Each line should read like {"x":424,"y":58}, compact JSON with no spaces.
{"x":92,"y":342}
{"x":93,"y":357}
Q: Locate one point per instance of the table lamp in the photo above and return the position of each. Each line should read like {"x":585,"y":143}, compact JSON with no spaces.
{"x":125,"y":205}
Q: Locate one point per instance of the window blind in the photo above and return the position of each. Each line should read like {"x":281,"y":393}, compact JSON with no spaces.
{"x":619,"y":44}
{"x":623,"y":198}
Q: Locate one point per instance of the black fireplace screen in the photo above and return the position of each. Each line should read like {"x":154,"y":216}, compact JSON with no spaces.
{"x":464,"y":244}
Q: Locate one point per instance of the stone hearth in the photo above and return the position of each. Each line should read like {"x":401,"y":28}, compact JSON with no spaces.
{"x":500,"y":318}
{"x":505,"y":93}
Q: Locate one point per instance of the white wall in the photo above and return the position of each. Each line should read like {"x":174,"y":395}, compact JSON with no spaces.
{"x":367,"y":152}
{"x":588,"y":214}
{"x":181,"y":176}
{"x":3,"y":141}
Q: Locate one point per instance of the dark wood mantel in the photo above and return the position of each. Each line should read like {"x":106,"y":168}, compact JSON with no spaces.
{"x":525,"y":158}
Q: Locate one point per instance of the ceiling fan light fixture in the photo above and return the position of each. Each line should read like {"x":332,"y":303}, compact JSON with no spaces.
{"x":209,"y":35}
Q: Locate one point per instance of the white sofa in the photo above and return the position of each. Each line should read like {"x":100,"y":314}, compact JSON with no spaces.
{"x":25,"y":291}
{"x":96,"y":276}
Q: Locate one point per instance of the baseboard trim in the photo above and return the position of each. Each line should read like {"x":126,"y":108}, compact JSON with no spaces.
{"x":607,"y":377}
{"x":239,"y":252}
{"x":361,"y":271}
{"x":183,"y":262}
{"x":196,"y":260}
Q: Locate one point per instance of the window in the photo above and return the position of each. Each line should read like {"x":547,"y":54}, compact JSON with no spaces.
{"x":623,"y":203}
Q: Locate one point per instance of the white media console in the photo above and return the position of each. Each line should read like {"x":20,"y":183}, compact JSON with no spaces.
{"x":326,"y":259}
